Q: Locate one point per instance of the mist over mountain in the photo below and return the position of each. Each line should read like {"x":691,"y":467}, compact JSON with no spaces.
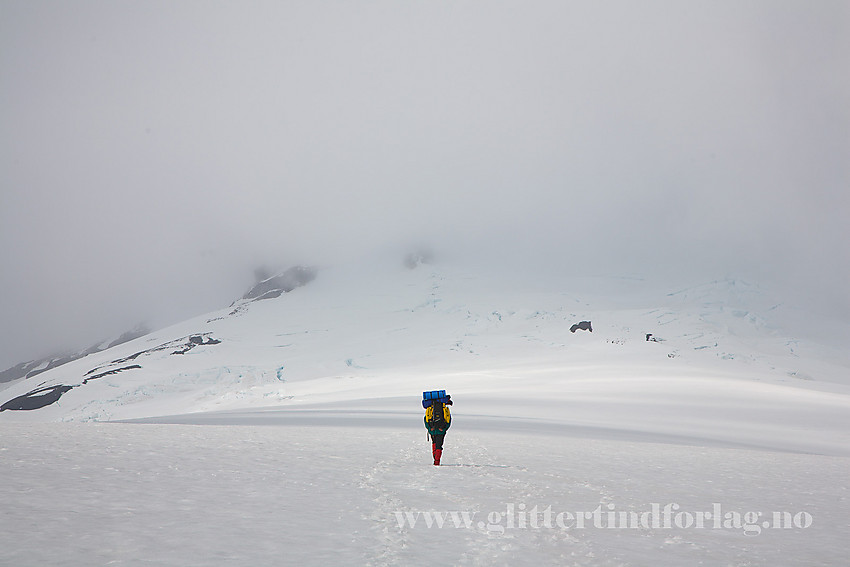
{"x":145,"y":180}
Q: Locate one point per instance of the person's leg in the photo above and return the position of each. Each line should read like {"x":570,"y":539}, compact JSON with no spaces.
{"x":438,"y":447}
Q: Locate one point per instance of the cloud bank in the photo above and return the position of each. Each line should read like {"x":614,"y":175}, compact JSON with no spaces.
{"x":155,"y":153}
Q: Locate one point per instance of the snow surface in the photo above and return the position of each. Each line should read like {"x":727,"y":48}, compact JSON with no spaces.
{"x":298,"y":439}
{"x":120,"y":494}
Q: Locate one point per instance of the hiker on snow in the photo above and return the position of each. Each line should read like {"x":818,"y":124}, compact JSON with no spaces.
{"x":438,"y":419}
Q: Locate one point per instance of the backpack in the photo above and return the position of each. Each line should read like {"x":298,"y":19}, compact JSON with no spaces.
{"x":437,"y":417}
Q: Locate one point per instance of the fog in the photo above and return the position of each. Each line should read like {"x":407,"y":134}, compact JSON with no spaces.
{"x":155,"y":153}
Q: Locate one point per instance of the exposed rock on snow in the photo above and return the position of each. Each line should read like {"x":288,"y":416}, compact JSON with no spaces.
{"x":36,"y":367}
{"x":275,"y":286}
{"x":44,"y":396}
{"x":37,"y":398}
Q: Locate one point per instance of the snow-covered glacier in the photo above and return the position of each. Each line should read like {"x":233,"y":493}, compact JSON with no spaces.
{"x":702,"y":423}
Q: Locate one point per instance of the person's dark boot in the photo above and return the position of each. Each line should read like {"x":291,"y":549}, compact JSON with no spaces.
{"x":438,"y":453}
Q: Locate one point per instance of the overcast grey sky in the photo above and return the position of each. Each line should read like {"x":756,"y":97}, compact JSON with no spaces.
{"x":153,"y":153}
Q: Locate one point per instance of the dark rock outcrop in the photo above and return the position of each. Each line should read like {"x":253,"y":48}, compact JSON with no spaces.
{"x":109,"y":372}
{"x":36,"y":399}
{"x":45,"y":395}
{"x":275,"y":286}
{"x":36,"y":367}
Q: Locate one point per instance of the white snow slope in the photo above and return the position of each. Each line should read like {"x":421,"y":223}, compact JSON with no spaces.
{"x":289,"y":431}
